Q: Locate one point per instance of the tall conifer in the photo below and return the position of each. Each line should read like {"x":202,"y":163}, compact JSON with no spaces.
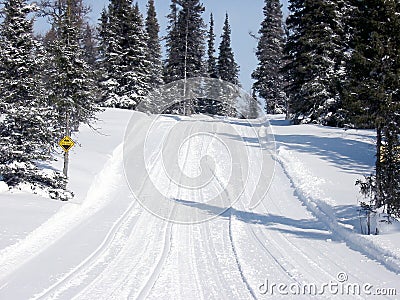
{"x":269,"y":82}
{"x":153,"y":45}
{"x":228,"y":69}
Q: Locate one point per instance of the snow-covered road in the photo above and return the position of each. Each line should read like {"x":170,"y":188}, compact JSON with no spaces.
{"x":109,"y":245}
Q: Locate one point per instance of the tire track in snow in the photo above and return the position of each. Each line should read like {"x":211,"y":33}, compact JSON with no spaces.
{"x":225,"y":283}
{"x":258,"y":241}
{"x":151,"y":281}
{"x":235,"y":253}
{"x":256,"y":236}
{"x":194,"y":264}
{"x":253,"y":294}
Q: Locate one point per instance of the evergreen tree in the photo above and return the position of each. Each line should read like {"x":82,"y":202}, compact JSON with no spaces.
{"x":105,"y":83}
{"x":210,"y":106}
{"x":211,"y":59}
{"x":153,"y":45}
{"x":89,"y":46}
{"x":185,"y":41}
{"x":373,"y":97}
{"x":170,"y":73}
{"x":269,"y":79}
{"x":228,"y":69}
{"x":26,"y":119}
{"x":125,"y":65}
{"x":315,"y":54}
{"x":70,"y":81}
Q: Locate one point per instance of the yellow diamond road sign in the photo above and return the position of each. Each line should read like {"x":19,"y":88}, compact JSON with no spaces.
{"x":66,"y":143}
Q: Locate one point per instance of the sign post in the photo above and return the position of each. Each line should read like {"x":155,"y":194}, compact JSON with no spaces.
{"x":66,"y":144}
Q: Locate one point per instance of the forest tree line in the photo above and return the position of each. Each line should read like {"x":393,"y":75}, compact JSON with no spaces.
{"x":330,"y":62}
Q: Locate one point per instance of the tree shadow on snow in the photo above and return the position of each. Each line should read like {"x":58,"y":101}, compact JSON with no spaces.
{"x":354,"y":157}
{"x":301,"y":228}
{"x":351,"y":156}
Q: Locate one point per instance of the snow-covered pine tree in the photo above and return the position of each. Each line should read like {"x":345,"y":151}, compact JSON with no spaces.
{"x":107,"y":85}
{"x":26,"y":119}
{"x":125,"y":64}
{"x":314,"y":52}
{"x":185,"y":41}
{"x":212,"y":70}
{"x":70,"y":81}
{"x":269,"y":82}
{"x":153,"y":46}
{"x":228,"y":69}
{"x":89,"y":46}
{"x":210,"y":106}
{"x":170,"y":73}
{"x":253,"y":106}
{"x":185,"y":46}
{"x":373,"y":95}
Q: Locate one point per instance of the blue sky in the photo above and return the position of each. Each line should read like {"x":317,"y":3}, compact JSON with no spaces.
{"x":245,"y":17}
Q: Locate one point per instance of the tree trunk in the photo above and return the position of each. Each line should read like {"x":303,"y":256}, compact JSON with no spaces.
{"x":66,"y":161}
{"x":66,"y":154}
{"x":379,"y":200}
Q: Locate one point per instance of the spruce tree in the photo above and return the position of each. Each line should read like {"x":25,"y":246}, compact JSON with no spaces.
{"x":70,"y":82}
{"x":211,"y":59}
{"x":314,"y":53}
{"x":26,"y":119}
{"x":89,"y":46}
{"x":170,"y":71}
{"x":269,"y":82}
{"x":153,"y":45}
{"x":228,"y":69}
{"x":373,"y":97}
{"x":210,"y":106}
{"x":185,"y":41}
{"x":125,"y":65}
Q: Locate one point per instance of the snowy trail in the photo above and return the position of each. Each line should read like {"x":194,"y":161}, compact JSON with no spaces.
{"x":111,"y":247}
{"x":209,"y":260}
{"x":302,"y":245}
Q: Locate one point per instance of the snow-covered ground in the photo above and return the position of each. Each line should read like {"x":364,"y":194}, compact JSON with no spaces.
{"x":303,"y":238}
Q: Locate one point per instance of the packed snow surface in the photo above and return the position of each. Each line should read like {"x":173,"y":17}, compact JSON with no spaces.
{"x":302,"y":238}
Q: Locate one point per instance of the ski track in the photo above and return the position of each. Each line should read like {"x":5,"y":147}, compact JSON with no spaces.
{"x":155,"y":274}
{"x":185,"y":236}
{"x":333,"y":257}
{"x":67,"y":218}
{"x":126,"y":283}
{"x":324,"y":212}
{"x":114,"y":238}
{"x":208,"y":255}
{"x":78,"y":274}
{"x":126,"y":267}
{"x":134,"y":254}
{"x":264,"y":252}
{"x":234,"y":250}
{"x":279,"y":242}
{"x":207,"y":242}
{"x":282,"y":243}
